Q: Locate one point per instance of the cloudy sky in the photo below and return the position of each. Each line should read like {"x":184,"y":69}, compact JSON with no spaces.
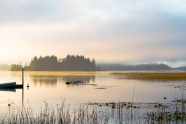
{"x":112,"y":31}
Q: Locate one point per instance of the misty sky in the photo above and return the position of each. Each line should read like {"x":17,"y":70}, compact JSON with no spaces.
{"x":112,"y":31}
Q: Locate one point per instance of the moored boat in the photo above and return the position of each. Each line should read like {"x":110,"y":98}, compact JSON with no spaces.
{"x":8,"y":85}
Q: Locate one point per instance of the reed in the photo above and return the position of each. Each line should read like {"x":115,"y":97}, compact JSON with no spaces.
{"x":98,"y":113}
{"x":61,"y":115}
{"x":162,"y":76}
{"x":91,"y":113}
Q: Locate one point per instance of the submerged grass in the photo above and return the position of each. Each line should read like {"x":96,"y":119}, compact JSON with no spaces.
{"x":162,"y":76}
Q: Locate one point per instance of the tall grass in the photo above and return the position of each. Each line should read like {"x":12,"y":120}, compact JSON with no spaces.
{"x":98,"y":113}
{"x":61,"y":115}
{"x":109,"y":113}
{"x":163,"y":76}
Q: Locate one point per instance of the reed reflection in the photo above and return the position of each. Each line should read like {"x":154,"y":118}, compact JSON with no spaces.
{"x":8,"y":90}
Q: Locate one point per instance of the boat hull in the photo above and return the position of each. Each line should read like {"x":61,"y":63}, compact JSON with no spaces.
{"x":8,"y":85}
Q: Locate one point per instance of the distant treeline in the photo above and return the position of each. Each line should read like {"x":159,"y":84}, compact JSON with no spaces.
{"x":180,"y":68}
{"x":52,"y":63}
{"x":5,"y":67}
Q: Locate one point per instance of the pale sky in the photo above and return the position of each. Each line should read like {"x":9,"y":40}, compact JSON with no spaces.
{"x":111,"y":31}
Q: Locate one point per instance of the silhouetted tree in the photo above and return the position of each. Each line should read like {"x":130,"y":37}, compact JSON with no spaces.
{"x":47,"y":63}
{"x":77,"y":63}
{"x":16,"y":67}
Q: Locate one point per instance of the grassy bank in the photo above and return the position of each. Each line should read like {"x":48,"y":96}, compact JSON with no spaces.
{"x":162,"y":76}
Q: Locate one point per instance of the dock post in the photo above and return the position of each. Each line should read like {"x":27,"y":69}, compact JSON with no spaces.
{"x":23,"y":77}
{"x":23,"y":87}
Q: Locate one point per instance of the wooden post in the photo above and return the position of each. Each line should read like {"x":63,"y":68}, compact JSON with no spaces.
{"x":23,"y":77}
{"x":23,"y":87}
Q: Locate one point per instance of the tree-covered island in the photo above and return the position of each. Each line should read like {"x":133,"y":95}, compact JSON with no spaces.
{"x":52,"y":63}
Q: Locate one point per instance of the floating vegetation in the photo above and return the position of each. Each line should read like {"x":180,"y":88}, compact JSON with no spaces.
{"x":123,"y":104}
{"x":148,"y":112}
{"x":101,"y":88}
{"x":167,"y":114}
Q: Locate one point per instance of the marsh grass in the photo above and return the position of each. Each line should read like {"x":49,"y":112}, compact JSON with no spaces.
{"x":61,"y":115}
{"x":99,"y":113}
{"x":162,"y":76}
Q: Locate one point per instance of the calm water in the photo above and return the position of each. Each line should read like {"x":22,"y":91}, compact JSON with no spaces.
{"x":97,"y":87}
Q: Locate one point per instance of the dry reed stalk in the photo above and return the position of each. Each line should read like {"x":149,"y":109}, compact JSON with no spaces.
{"x":165,"y":76}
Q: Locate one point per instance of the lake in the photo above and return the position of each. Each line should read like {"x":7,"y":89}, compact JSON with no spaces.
{"x":97,"y":87}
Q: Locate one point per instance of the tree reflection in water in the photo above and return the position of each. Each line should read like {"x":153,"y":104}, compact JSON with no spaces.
{"x":52,"y":80}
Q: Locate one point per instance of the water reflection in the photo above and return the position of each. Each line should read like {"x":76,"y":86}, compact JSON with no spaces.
{"x":52,"y":80}
{"x":84,"y":79}
{"x":9,"y":90}
{"x":46,"y":80}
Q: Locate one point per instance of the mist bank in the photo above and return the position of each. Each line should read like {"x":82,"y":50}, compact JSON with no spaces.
{"x":139,"y":67}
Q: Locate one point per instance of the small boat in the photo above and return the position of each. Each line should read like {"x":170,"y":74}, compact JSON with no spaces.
{"x":8,"y":85}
